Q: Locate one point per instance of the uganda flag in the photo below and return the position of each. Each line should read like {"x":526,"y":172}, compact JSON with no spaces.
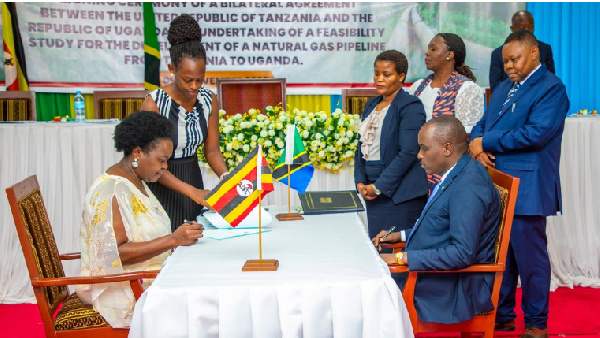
{"x":15,"y":71}
{"x":301,"y":168}
{"x":151,"y":50}
{"x":236,"y":196}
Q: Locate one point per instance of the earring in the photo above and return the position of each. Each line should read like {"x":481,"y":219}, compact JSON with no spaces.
{"x":448,"y":58}
{"x":172,"y":74}
{"x":134,"y":163}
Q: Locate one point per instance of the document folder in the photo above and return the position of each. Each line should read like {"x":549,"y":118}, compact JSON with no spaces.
{"x":328,"y":202}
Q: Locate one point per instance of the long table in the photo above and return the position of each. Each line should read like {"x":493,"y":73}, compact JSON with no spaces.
{"x":330,"y":282}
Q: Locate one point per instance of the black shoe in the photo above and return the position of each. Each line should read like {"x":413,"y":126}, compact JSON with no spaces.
{"x":506,"y":326}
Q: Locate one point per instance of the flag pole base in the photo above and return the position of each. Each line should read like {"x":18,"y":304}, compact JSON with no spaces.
{"x":289,"y":217}
{"x":258,"y":265}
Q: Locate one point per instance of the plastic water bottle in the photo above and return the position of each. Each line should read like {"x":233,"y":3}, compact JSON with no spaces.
{"x":79,"y":104}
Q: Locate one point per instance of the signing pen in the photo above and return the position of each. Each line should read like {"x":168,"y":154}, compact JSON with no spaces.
{"x":390,"y":230}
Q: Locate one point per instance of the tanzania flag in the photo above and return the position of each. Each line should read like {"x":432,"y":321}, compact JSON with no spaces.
{"x":15,"y":70}
{"x":301,"y":168}
{"x":236,"y":196}
{"x":151,"y":50}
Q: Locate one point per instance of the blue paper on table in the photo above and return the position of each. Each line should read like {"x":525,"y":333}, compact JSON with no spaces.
{"x":220,"y":234}
{"x":250,"y":222}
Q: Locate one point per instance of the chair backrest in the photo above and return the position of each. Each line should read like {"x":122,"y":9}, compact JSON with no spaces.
{"x":508,"y":187}
{"x":354,"y":100}
{"x":17,"y":106}
{"x":488,"y":96}
{"x":237,"y":96}
{"x":37,"y":241}
{"x":117,"y":104}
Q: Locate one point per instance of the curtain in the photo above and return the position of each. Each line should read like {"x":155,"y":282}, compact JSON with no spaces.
{"x":572,"y":31}
{"x":309,"y":103}
{"x":50,"y":105}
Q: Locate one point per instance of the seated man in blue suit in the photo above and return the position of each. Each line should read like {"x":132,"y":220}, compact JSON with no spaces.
{"x":457,"y":228}
{"x":521,"y":134}
{"x":520,"y":20}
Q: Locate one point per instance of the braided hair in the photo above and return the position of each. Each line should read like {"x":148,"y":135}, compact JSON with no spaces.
{"x":399,"y":60}
{"x":455,"y":44}
{"x":185,"y":38}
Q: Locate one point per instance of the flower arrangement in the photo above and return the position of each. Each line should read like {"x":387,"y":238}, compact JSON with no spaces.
{"x":329,"y":138}
{"x":586,"y":112}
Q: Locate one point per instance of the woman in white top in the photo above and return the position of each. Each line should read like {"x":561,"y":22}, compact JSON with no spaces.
{"x":124,"y":228}
{"x":451,"y":89}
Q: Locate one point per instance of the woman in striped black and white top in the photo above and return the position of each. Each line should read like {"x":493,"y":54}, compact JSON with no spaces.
{"x":194,"y":116}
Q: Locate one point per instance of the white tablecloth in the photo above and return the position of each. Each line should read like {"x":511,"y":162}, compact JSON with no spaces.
{"x":574,"y":236}
{"x":66,"y":157}
{"x":330,"y":283}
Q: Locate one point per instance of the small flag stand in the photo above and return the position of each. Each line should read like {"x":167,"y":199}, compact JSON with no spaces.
{"x":260,"y":264}
{"x":289,"y":216}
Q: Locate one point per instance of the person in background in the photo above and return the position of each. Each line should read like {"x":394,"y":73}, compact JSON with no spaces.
{"x":451,"y":89}
{"x":194,"y":116}
{"x":386,"y":169}
{"x":521,"y":134}
{"x":124,"y":228}
{"x":520,"y":20}
{"x":458,"y":228}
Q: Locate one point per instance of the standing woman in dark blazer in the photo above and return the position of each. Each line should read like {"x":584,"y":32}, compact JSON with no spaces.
{"x":386,"y":170}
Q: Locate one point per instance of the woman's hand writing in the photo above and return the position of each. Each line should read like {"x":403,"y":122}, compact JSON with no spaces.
{"x":187,"y":233}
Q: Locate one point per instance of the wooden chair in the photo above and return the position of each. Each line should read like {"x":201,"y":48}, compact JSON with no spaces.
{"x":354,"y":100}
{"x":74,"y":319}
{"x":237,"y":96}
{"x":117,"y":104}
{"x":488,"y":96}
{"x":507,"y":187}
{"x":17,"y":106}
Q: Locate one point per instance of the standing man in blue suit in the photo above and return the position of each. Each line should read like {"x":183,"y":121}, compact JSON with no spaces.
{"x":520,"y":20}
{"x":457,"y":228}
{"x":521,"y":134}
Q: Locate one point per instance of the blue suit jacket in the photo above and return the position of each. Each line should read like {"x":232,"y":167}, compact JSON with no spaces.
{"x":497,"y":74}
{"x":402,"y":177}
{"x":458,"y":228}
{"x":525,"y":137}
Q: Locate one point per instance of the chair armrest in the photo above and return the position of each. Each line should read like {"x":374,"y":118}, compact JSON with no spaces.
{"x":121,"y":277}
{"x":393,"y":245}
{"x":69,"y":256}
{"x":395,"y":268}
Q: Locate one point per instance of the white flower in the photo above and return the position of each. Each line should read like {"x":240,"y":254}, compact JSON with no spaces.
{"x":305,"y":134}
{"x":246,"y":148}
{"x":261,"y":117}
{"x":321,"y":154}
{"x":229,"y":146}
{"x":253,"y":138}
{"x":349,"y":133}
{"x":271,"y":132}
{"x":268,"y":143}
{"x":237,"y":116}
{"x":326,"y":132}
{"x":260,"y":124}
{"x":240,"y":137}
{"x":264,"y":133}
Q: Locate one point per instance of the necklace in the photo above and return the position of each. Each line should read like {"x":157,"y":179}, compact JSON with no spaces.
{"x":133,"y":173}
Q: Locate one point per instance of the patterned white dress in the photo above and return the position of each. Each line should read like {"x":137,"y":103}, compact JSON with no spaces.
{"x":144,"y":219}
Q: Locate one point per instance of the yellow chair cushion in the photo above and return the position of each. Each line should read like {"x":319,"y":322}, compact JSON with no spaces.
{"x":75,"y":315}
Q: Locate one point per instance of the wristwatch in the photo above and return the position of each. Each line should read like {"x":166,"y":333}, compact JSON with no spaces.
{"x":399,"y":257}
{"x":377,"y":192}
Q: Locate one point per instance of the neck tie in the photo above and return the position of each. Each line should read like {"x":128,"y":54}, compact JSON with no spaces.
{"x":428,"y":201}
{"x":511,"y":93}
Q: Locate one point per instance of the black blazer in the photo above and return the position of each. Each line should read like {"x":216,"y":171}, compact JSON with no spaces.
{"x":402,"y":178}
{"x":497,"y":73}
